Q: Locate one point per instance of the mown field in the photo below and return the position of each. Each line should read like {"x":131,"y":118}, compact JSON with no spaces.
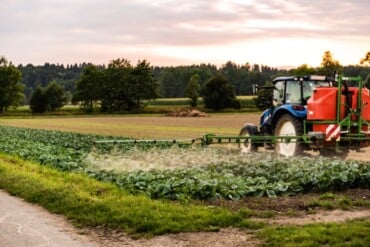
{"x":138,"y":126}
{"x":176,"y":188}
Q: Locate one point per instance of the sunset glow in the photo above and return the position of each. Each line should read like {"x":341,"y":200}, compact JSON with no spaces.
{"x":167,"y":32}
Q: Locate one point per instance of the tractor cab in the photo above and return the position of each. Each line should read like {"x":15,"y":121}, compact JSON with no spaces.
{"x":296,"y":90}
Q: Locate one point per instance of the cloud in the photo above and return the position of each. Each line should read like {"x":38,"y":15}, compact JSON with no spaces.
{"x":115,"y":25}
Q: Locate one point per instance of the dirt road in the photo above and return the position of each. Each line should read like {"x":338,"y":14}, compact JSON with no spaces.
{"x":26,"y":225}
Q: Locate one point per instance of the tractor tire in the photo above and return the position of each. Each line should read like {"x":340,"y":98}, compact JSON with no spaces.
{"x":248,"y":146}
{"x":287,"y":125}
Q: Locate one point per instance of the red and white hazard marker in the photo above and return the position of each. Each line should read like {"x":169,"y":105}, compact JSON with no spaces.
{"x":332,"y":132}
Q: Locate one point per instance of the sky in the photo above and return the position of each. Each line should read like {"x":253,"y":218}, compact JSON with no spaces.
{"x":276,"y":33}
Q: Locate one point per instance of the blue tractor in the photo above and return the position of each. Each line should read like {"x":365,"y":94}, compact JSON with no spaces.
{"x":284,"y":117}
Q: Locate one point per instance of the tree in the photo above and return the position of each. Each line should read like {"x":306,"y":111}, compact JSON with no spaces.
{"x":329,"y":66}
{"x":120,"y":87}
{"x":55,"y":96}
{"x":49,"y":98}
{"x":142,"y":85}
{"x":218,"y":94}
{"x":367,"y":81}
{"x":366,"y":59}
{"x":39,"y":101}
{"x":11,"y":90}
{"x":193,"y":89}
{"x":88,"y":89}
{"x":303,"y":70}
{"x":264,"y":96}
{"x":115,"y":87}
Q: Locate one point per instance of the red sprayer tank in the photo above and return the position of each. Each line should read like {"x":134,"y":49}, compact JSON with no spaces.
{"x":365,"y":98}
{"x":322,"y":105}
{"x":366,"y":104}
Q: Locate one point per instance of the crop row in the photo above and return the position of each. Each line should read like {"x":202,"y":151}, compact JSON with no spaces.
{"x":269,"y":176}
{"x":62,"y":150}
{"x":232,"y":178}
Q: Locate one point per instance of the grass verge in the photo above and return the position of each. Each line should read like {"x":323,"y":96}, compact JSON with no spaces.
{"x":330,"y":201}
{"x":89,"y":203}
{"x":353,"y":233}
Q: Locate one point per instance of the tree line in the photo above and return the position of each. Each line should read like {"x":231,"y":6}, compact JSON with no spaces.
{"x":120,"y":86}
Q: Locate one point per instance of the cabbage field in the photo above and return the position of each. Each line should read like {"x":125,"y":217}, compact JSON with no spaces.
{"x":182,"y":173}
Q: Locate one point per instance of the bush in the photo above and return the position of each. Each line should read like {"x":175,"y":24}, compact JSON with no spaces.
{"x":38,"y":102}
{"x":50,"y":98}
{"x":218,"y":94}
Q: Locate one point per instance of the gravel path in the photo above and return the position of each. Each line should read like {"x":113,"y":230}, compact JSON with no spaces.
{"x":25,"y":225}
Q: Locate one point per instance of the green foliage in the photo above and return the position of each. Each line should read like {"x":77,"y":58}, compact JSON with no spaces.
{"x":264,"y":97}
{"x":39,"y":101}
{"x":330,"y":66}
{"x":354,"y":233}
{"x":55,"y":96}
{"x":41,"y":75}
{"x":144,"y":86}
{"x":50,"y":98}
{"x":172,"y":80}
{"x":267,"y":177}
{"x":193,"y":90}
{"x":331,"y":201}
{"x":62,"y":150}
{"x":367,"y":81}
{"x":115,"y":88}
{"x":258,"y":175}
{"x":218,"y":94}
{"x":366,"y":59}
{"x":304,"y":70}
{"x":88,"y":89}
{"x":120,"y":87}
{"x":11,"y":90}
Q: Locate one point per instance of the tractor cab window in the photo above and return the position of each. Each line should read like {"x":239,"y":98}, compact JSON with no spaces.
{"x":309,"y":86}
{"x":293,"y":92}
{"x":278,"y":95}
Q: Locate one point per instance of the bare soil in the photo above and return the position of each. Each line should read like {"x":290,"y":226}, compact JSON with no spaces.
{"x":223,"y":238}
{"x":301,"y":204}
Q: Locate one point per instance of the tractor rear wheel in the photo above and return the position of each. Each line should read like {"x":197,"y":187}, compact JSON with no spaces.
{"x":287,"y":125}
{"x":247,"y":145}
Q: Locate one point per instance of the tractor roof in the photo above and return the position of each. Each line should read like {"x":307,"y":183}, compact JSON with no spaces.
{"x":302,"y":78}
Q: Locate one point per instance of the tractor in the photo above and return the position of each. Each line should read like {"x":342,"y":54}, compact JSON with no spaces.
{"x":311,"y":112}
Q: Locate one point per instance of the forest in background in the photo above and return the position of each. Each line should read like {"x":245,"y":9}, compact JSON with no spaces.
{"x":172,"y":80}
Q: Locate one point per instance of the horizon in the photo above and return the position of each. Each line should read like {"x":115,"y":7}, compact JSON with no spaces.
{"x":180,"y":65}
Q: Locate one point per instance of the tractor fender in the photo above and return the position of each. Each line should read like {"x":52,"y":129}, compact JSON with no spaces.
{"x":288,"y":109}
{"x":266,"y":117}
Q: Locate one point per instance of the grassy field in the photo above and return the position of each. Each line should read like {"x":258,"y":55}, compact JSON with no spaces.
{"x":157,"y":126}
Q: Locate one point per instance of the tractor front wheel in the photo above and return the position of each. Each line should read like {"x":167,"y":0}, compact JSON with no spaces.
{"x":287,"y":126}
{"x":247,"y":145}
